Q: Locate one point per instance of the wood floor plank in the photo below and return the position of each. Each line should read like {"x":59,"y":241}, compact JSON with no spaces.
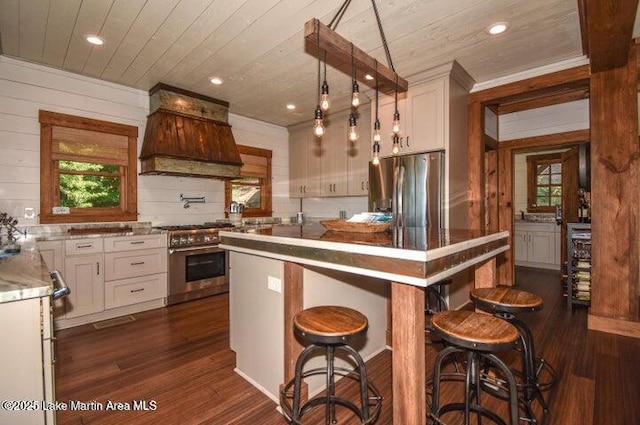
{"x":179,"y":357}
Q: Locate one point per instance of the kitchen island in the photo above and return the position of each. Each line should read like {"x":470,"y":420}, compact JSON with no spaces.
{"x":406,"y":259}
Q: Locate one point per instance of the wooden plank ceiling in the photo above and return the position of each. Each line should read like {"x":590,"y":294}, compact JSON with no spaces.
{"x":257,"y":46}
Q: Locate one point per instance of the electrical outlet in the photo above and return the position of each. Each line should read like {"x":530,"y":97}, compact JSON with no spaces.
{"x":29,"y":213}
{"x":274,"y":284}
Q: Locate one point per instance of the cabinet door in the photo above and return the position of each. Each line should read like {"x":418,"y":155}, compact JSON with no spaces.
{"x":426,"y":121}
{"x":386,"y":110}
{"x":298,"y":163}
{"x":334,"y":158}
{"x":521,"y":245}
{"x":542,"y":247}
{"x":84,"y":278}
{"x":51,"y":252}
{"x":358,"y":157}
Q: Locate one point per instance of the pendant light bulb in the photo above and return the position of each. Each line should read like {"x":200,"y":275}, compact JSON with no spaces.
{"x":396,"y":123}
{"x":324,"y":99}
{"x":376,"y":131}
{"x":318,"y":127}
{"x":353,"y":129}
{"x":396,"y":145}
{"x":355,"y":95}
{"x":376,"y":152}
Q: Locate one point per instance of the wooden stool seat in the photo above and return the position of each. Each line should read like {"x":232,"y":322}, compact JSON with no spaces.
{"x":330,"y":324}
{"x":507,"y":300}
{"x":475,"y":331}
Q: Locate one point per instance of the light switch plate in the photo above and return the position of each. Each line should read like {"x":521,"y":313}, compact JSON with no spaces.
{"x":274,"y":284}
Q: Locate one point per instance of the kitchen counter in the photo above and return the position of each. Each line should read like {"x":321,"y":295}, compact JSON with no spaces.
{"x":97,"y":233}
{"x":406,"y":260}
{"x":24,"y":275}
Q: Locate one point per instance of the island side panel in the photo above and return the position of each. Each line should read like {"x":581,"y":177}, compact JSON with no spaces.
{"x":256,"y":321}
{"x":408,"y":360}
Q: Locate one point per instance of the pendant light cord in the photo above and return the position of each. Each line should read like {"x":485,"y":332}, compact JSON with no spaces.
{"x":318,"y":65}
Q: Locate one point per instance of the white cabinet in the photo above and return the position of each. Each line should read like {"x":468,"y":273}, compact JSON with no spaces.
{"x":423,"y":113}
{"x":332,"y":165}
{"x":304,"y":163}
{"x":52,"y":253}
{"x":84,"y":276}
{"x":134,"y":274}
{"x":537,"y":245}
{"x":25,"y":360}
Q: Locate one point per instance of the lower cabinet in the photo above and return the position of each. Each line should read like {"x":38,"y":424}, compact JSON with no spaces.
{"x":119,"y":293}
{"x":84,"y":276}
{"x":26,"y":364}
{"x":537,"y":245}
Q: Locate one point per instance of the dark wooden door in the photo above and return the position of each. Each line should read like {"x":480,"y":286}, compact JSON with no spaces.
{"x":570,"y":183}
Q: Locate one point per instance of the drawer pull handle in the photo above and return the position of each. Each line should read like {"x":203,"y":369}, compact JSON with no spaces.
{"x":139,"y":263}
{"x":137,"y":290}
{"x":84,"y":246}
{"x":136,"y":242}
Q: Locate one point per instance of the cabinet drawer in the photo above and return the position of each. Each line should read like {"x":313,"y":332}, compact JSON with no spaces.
{"x":82,"y":246}
{"x":122,"y":265}
{"x":130,"y":243}
{"x":136,"y":290}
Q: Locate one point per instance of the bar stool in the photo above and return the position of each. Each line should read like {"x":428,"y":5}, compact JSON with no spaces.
{"x":505,"y":302}
{"x":478,"y":336}
{"x":435,"y":298}
{"x":330,"y":329}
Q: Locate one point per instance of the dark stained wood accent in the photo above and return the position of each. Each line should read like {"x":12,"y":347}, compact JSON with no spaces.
{"x":614,"y":189}
{"x":489,"y":143}
{"x":476,"y":166}
{"x":491,"y":190}
{"x":331,"y":320}
{"x":98,"y":230}
{"x":293,"y":290}
{"x":409,"y":403}
{"x":172,"y":135}
{"x":505,"y":201}
{"x":570,"y":179}
{"x":179,"y":356}
{"x":582,"y":12}
{"x":266,"y":206}
{"x":484,"y":275}
{"x":507,"y":297}
{"x":532,"y":164}
{"x":339,"y":54}
{"x":609,"y":27}
{"x":473,"y":327}
{"x":49,"y":189}
{"x":551,"y":99}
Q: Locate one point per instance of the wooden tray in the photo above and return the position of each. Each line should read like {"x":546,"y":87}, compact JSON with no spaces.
{"x":348,"y":226}
{"x":99,"y":230}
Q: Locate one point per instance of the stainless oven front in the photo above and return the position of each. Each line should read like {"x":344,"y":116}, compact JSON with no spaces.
{"x":196,"y":272}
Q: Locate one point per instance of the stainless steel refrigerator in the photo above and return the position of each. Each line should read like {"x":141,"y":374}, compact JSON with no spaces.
{"x":411,"y":187}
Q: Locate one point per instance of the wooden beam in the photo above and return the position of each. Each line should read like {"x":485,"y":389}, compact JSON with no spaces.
{"x":567,"y":79}
{"x":609,"y":25}
{"x":320,"y":39}
{"x":540,"y":102}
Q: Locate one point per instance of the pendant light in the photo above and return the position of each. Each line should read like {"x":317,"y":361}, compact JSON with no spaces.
{"x":395,"y":127}
{"x":318,"y":124}
{"x":396,"y":144}
{"x":355,"y":90}
{"x":353,"y":130}
{"x":376,"y":128}
{"x":325,"y":103}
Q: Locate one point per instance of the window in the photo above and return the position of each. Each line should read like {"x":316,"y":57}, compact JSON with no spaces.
{"x":253,"y":188}
{"x":88,"y":166}
{"x":544,"y":182}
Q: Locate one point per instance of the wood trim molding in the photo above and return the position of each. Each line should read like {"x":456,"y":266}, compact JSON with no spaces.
{"x":552,"y":99}
{"x":614,"y":326}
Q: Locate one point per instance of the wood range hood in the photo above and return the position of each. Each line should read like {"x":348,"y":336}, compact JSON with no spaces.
{"x":188,"y":134}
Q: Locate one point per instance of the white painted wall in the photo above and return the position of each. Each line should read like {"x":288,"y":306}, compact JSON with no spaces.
{"x":25,"y":88}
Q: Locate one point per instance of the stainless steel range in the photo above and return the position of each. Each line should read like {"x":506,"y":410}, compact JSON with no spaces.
{"x":197,"y":267}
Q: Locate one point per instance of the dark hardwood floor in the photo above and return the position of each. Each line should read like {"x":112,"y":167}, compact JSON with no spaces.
{"x":177,"y":359}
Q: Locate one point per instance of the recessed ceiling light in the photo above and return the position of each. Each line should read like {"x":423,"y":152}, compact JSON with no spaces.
{"x":497,"y":28}
{"x":368,"y":77}
{"x":291,"y":106}
{"x":95,"y":40}
{"x":216,"y":80}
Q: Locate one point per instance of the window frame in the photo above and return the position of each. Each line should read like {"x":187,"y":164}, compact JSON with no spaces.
{"x":265,"y":209}
{"x":532,"y":165}
{"x":49,"y":189}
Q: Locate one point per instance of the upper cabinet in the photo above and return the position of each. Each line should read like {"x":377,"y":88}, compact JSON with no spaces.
{"x":427,"y":110}
{"x":332,"y":165}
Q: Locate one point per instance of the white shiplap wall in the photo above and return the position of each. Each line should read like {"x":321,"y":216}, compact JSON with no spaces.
{"x":25,"y":88}
{"x":537,"y":122}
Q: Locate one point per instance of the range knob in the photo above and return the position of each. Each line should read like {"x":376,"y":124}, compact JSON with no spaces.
{"x":174,"y":241}
{"x":183,"y":240}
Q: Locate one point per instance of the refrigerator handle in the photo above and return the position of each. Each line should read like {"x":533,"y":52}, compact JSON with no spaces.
{"x":399,"y":195}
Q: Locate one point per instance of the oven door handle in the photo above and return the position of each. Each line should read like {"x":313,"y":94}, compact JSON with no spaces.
{"x":195,"y":248}
{"x":60,"y":288}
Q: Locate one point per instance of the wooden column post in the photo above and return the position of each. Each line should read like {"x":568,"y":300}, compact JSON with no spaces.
{"x":408,"y":358}
{"x":293,"y":288}
{"x":614,"y":193}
